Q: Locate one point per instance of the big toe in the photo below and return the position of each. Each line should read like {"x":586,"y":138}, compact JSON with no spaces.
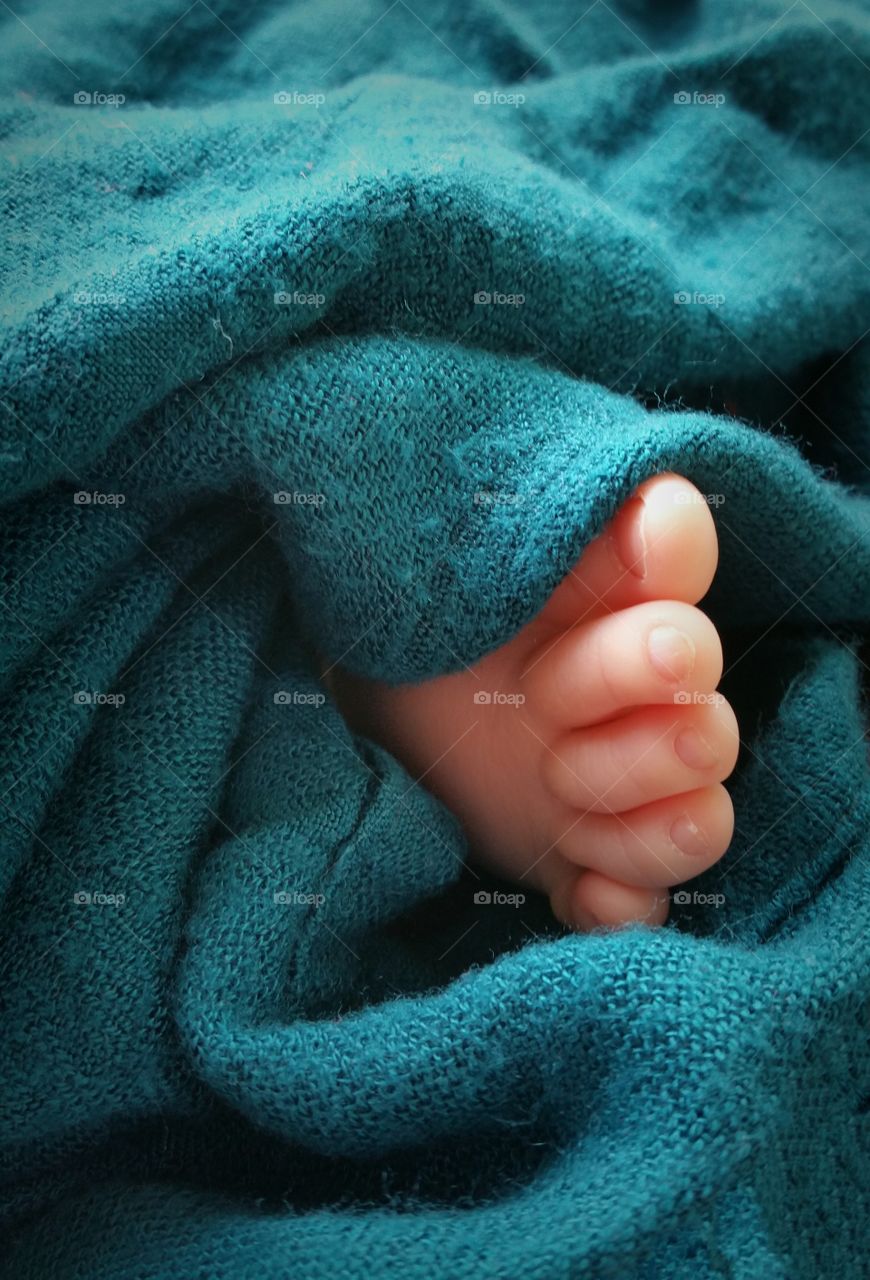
{"x":661,"y":544}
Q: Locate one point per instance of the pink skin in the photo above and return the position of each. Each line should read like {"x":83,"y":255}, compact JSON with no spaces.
{"x":586,"y":756}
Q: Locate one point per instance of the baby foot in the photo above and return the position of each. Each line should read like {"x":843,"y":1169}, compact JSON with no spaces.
{"x":585,"y":757}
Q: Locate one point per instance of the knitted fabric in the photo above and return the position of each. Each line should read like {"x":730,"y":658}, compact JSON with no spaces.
{"x":340,"y":337}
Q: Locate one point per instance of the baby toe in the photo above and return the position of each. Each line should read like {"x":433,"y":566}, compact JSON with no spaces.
{"x":588,"y":900}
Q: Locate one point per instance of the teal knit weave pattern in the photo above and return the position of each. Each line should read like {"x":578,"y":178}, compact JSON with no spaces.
{"x":336,"y":330}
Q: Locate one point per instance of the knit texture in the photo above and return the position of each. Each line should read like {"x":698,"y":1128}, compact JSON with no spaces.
{"x":339,"y":338}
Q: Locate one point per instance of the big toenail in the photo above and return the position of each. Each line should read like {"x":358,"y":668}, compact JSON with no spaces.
{"x":671,"y":652}
{"x":688,"y":836}
{"x":630,"y":538}
{"x":694,"y":750}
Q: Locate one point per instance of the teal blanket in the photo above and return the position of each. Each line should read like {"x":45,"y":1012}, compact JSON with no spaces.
{"x":336,"y":330}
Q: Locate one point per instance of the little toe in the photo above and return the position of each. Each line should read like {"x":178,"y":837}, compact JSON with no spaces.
{"x":590,"y":900}
{"x":660,"y":545}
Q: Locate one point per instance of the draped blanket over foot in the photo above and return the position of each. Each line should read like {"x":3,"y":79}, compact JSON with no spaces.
{"x":333,"y":333}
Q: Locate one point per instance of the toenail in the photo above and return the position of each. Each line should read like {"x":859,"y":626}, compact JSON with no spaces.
{"x":688,"y":836}
{"x":671,"y":652}
{"x":630,"y":537}
{"x":694,"y":750}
